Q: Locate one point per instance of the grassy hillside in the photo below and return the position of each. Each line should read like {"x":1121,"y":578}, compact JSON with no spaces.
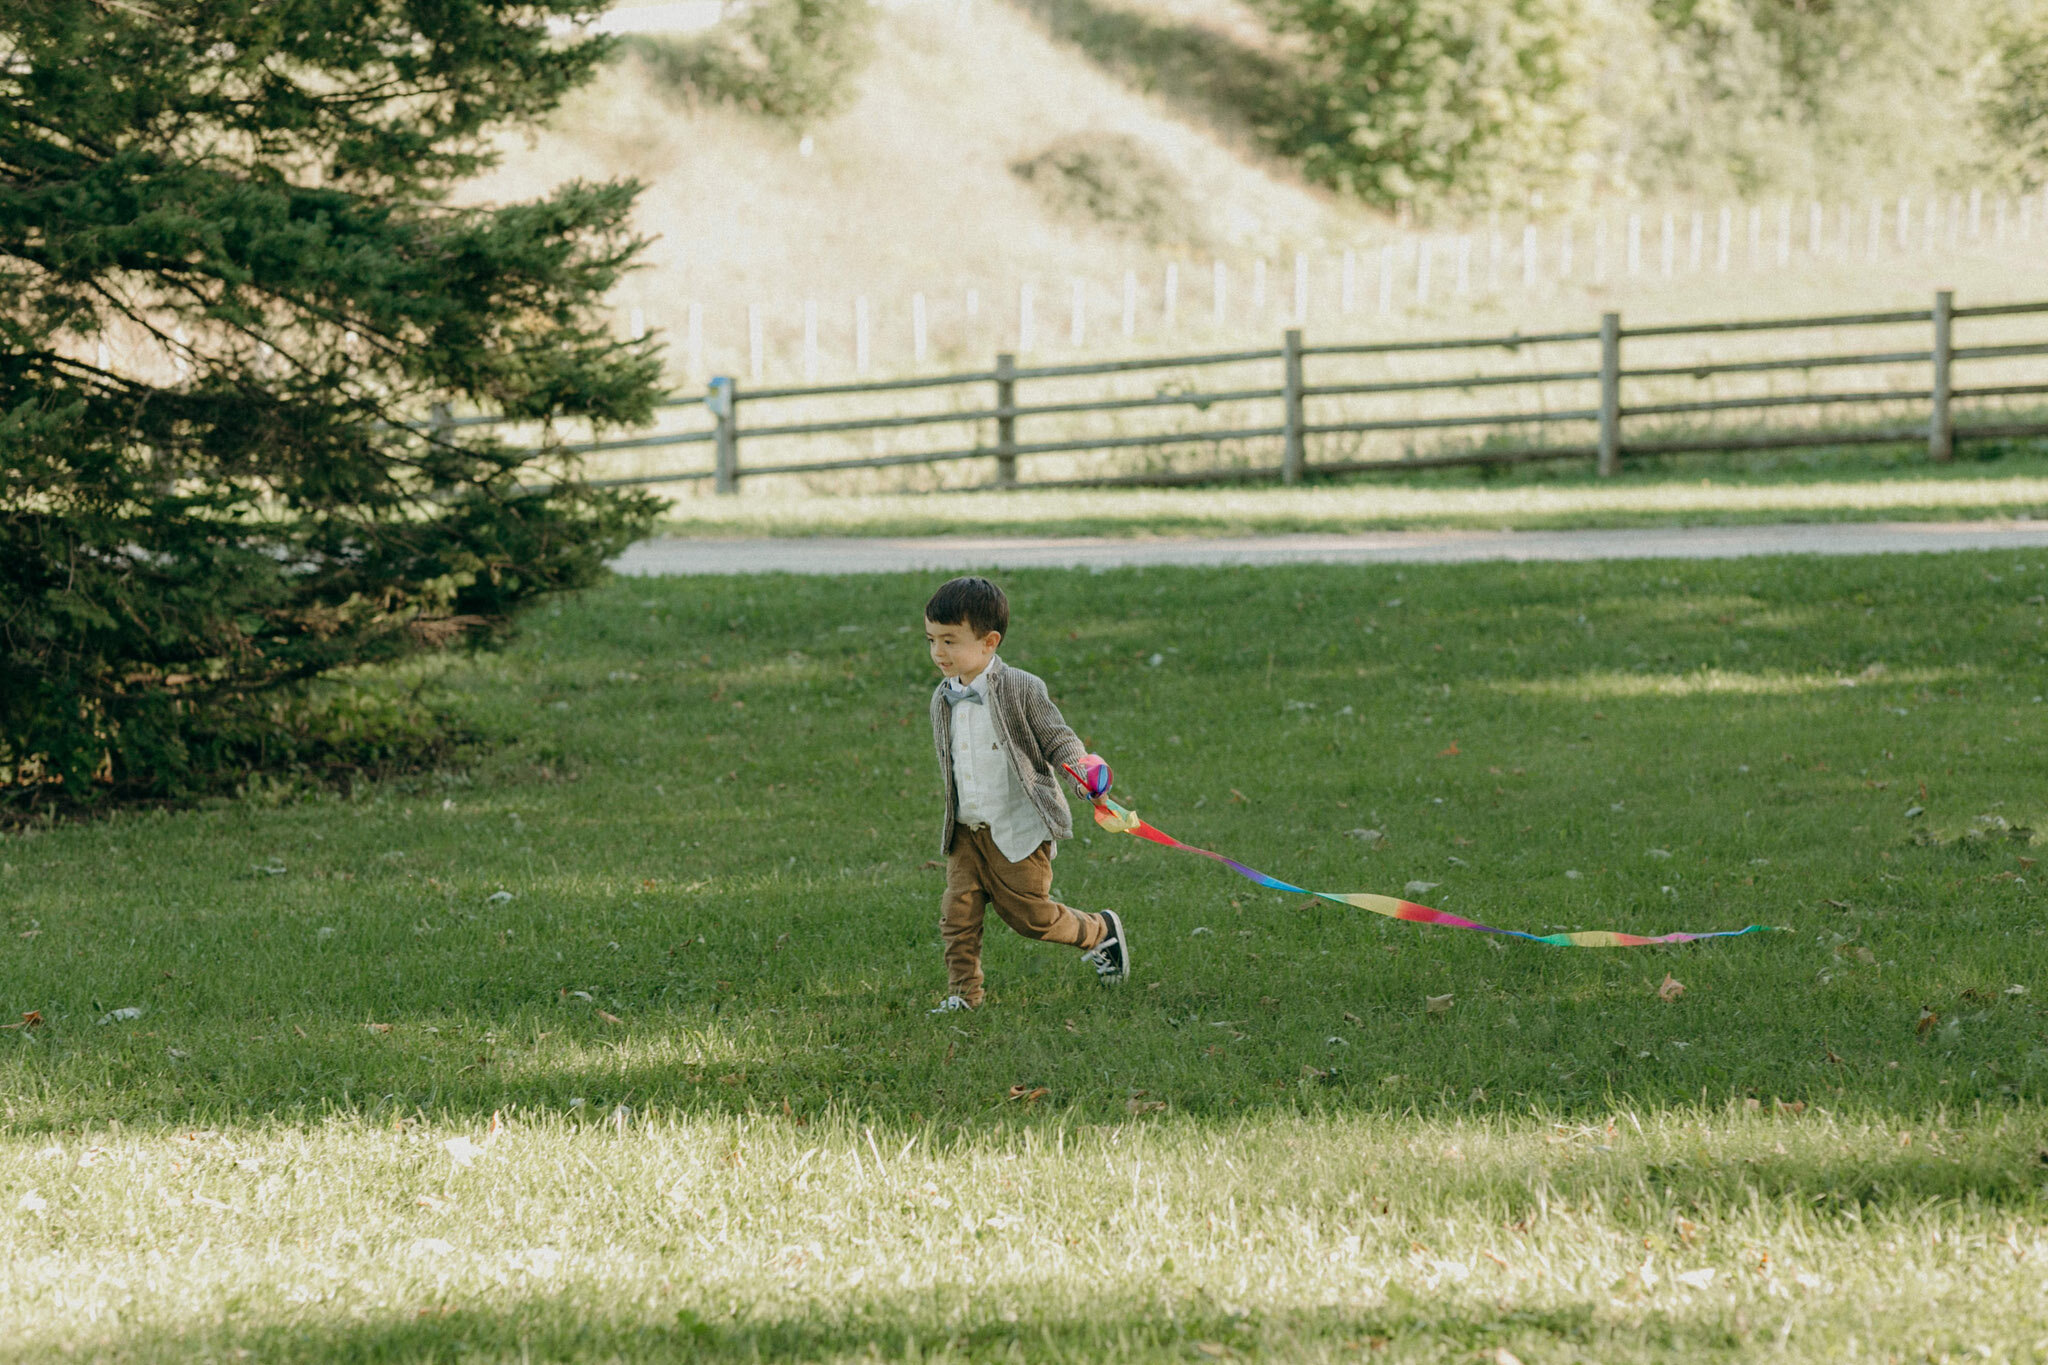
{"x":911,"y":191}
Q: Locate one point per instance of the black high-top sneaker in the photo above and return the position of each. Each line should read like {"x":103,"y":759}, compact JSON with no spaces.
{"x":1111,"y":958}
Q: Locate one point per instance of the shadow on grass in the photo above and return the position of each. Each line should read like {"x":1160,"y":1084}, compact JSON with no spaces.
{"x":950,"y":1327}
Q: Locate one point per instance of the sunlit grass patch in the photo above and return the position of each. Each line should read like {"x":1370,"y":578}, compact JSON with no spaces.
{"x":1540,"y":500}
{"x":580,"y":1236}
{"x":1714,"y":682}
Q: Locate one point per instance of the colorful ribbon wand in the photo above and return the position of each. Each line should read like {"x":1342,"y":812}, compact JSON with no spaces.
{"x":1094,"y":780}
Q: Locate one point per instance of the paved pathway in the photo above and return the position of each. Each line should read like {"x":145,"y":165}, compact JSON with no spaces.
{"x":945,"y":554}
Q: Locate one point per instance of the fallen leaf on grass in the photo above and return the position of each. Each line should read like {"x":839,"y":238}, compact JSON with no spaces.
{"x":30,"y":1019}
{"x":1437,"y":1004}
{"x":1421,"y":888}
{"x":1214,"y":1349}
{"x":1789,"y":1106}
{"x":1351,"y":1018}
{"x":1928,"y":1019}
{"x":609,"y":1017}
{"x":28,"y":933}
{"x":1138,"y":1106}
{"x":1696,"y":1279}
{"x":122,"y":1015}
{"x":378,"y":1028}
{"x":1671,"y":989}
{"x":434,"y":1203}
{"x":1029,"y":1094}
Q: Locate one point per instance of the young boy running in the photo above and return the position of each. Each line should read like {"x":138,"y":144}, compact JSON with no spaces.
{"x":1000,"y":744}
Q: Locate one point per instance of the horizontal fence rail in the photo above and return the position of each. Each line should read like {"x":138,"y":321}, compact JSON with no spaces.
{"x":989,"y":410}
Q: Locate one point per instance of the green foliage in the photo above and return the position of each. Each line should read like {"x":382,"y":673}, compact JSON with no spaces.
{"x":2015,"y":101}
{"x":1757,"y":97}
{"x":1433,"y":98}
{"x":1466,"y":102}
{"x":229,"y":285}
{"x":789,"y":60}
{"x":1115,"y":180}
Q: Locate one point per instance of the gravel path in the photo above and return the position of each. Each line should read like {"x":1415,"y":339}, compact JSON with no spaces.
{"x":946,"y":554}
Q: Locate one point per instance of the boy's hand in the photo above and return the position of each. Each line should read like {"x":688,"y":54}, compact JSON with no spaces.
{"x":1093,"y":778}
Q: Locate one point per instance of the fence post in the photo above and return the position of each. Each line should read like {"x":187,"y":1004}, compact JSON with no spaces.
{"x":1006,"y":419}
{"x":1610,"y":395}
{"x":1941,"y":434}
{"x":722,"y":398}
{"x":1291,"y":455}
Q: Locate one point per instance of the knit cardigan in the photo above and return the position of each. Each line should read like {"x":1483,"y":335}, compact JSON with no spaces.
{"x":1037,"y":739}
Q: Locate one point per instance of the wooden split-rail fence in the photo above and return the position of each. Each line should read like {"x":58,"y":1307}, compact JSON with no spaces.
{"x":1294,"y":431}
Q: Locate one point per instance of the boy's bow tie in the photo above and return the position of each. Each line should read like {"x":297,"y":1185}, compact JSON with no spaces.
{"x":954,"y":696}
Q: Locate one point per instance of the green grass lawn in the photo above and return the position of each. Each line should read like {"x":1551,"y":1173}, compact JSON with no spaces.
{"x":678,"y":926}
{"x":1855,"y":484}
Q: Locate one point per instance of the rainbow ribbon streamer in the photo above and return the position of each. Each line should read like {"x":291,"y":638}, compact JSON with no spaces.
{"x":1119,"y":820}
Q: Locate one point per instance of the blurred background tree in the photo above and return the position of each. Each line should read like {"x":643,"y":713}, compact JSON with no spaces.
{"x":1446,"y":100}
{"x":231,"y":286}
{"x":789,"y":60}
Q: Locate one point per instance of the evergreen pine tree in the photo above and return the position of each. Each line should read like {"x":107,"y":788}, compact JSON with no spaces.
{"x":232,"y":284}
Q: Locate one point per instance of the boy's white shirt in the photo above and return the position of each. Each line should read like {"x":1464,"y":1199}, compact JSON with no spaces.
{"x":985,"y":785}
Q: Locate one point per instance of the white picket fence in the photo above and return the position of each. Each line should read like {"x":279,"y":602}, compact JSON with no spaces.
{"x":1404,"y":273}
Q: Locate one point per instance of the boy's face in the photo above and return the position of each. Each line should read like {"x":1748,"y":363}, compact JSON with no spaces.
{"x":958,"y":651}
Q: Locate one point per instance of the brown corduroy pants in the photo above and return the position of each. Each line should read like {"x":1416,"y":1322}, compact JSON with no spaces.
{"x":978,"y":875}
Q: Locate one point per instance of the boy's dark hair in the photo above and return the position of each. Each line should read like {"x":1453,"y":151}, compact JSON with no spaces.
{"x":976,"y":601}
